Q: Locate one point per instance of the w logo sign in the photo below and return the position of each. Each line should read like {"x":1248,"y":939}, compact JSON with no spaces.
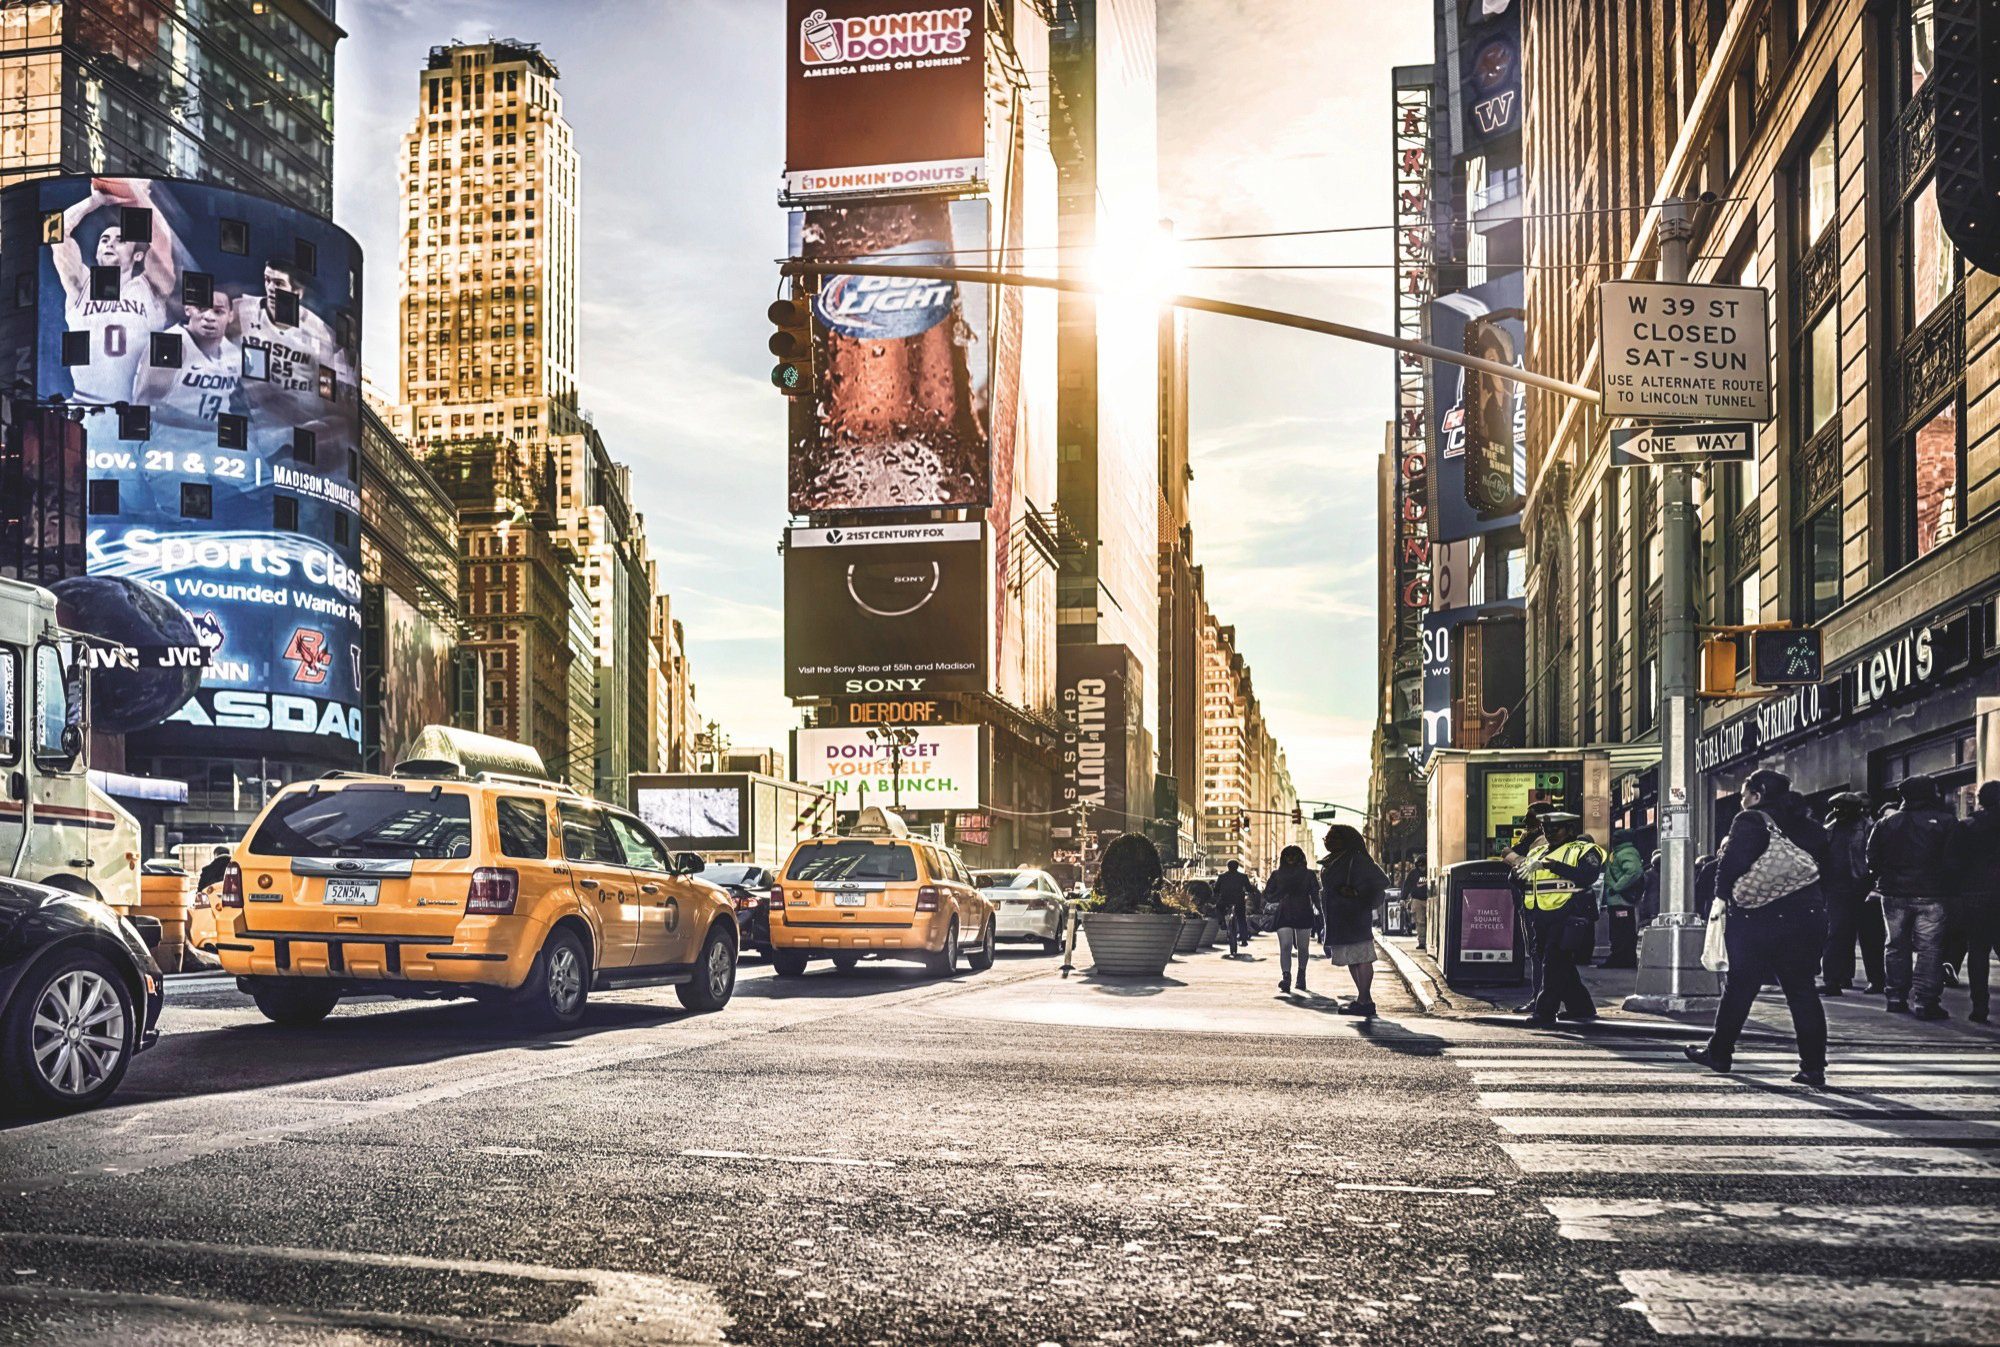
{"x":1496,"y":112}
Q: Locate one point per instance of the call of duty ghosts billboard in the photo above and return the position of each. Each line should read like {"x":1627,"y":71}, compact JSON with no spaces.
{"x":901,"y":418}
{"x":212,"y":340}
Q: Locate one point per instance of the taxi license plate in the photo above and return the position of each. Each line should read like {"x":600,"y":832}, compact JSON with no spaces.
{"x":352,"y":892}
{"x":850,"y":900}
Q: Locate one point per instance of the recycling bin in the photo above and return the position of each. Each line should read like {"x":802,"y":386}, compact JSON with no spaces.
{"x":1483,"y":940}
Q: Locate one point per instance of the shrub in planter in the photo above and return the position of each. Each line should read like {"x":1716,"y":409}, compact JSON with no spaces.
{"x":1127,"y":919}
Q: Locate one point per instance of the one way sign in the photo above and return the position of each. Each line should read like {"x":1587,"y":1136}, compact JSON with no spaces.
{"x":1658,"y":446}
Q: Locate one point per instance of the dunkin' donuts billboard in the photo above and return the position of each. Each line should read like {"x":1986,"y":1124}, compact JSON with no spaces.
{"x":902,"y":414}
{"x":883,"y":96}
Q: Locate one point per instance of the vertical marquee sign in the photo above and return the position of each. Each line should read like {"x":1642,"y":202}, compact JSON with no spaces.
{"x":1412,"y":141}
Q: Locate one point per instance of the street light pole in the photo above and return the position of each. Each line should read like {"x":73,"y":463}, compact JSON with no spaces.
{"x":1670,"y":973}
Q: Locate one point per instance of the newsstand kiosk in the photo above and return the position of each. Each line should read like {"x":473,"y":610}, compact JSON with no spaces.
{"x":1483,"y":940}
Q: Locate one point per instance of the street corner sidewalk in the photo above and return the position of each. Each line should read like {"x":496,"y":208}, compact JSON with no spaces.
{"x":1852,"y":1017}
{"x":1204,"y":992}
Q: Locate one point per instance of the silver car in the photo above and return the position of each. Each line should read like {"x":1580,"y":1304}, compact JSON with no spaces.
{"x":1027,"y":905}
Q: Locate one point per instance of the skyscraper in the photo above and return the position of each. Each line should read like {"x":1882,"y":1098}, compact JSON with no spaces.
{"x":235,"y":93}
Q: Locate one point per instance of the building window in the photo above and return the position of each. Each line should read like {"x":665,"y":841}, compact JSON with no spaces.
{"x":285,"y":514}
{"x":102,"y":494}
{"x":197,"y":500}
{"x":1814,"y":438}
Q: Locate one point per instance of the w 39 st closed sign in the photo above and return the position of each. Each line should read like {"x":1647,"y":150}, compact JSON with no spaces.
{"x":1690,"y":352}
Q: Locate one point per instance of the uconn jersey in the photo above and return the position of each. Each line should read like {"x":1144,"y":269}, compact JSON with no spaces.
{"x":204,"y":387}
{"x":120,"y":332}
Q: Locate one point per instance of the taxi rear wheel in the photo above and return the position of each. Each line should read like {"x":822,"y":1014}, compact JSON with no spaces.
{"x":714,"y":974}
{"x":981,"y":956}
{"x":789,"y":963}
{"x":558,"y":984}
{"x":945,"y":962}
{"x":846,"y":962}
{"x":293,"y":1002}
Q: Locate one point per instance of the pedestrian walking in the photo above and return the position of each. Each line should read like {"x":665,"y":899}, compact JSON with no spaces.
{"x":1973,"y":857}
{"x":1232,"y":904}
{"x":1351,"y":886}
{"x":212,"y":873}
{"x":1768,"y":877}
{"x":1556,"y":891}
{"x":1624,"y":888}
{"x":1853,"y":914}
{"x":1294,"y":891}
{"x":1906,"y":852}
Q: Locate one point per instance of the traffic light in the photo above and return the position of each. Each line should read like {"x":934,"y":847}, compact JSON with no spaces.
{"x":1786,"y":657}
{"x":1968,"y":127}
{"x":1718,"y":666}
{"x":1298,"y":817}
{"x":792,"y":343}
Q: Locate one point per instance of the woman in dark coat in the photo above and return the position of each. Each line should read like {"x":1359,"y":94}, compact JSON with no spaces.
{"x":1293,"y":895}
{"x":1779,"y":940}
{"x":1351,"y":886}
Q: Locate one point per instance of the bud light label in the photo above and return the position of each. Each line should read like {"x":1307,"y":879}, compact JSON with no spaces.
{"x":880,"y":308}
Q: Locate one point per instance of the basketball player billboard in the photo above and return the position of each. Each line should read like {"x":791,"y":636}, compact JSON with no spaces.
{"x":209,"y":339}
{"x":884,"y":97}
{"x":902,"y":414}
{"x":893,"y":610}
{"x":1479,"y":469}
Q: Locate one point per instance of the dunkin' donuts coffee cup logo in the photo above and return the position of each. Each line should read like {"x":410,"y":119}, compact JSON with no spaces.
{"x":885,"y":37}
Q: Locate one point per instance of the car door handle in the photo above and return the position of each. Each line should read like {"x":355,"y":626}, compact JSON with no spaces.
{"x":649,"y":888}
{"x":587,"y":883}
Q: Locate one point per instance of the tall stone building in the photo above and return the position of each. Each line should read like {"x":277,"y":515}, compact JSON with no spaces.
{"x":488,"y":312}
{"x":237,"y":93}
{"x":1872,"y":510}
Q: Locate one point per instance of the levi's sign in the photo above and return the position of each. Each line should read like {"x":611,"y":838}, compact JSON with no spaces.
{"x":1711,"y":442}
{"x":1690,"y":352}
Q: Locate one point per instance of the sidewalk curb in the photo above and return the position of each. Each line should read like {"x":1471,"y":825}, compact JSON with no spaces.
{"x":1416,"y":979}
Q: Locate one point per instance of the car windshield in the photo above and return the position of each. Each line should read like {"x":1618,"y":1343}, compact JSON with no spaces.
{"x":865,"y":862}
{"x":1003,"y":879}
{"x":367,"y":824}
{"x":730,"y":874}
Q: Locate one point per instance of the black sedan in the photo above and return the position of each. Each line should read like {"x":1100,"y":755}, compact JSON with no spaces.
{"x":79,"y":994}
{"x":749,"y":888}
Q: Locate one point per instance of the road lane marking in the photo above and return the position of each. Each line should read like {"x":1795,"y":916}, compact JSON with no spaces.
{"x":1702,"y":1078}
{"x":1830,"y":1128}
{"x":1910,"y":1226}
{"x":1823,"y":1309}
{"x":791,"y":1159}
{"x":1906,"y":1162}
{"x":1739,"y":1101}
{"x":1473,"y":1057}
{"x":1412,"y":1188}
{"x":614,"y":1307}
{"x":1783,"y":1066}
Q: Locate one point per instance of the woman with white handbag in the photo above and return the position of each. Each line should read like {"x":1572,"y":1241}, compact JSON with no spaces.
{"x":1768,"y":880}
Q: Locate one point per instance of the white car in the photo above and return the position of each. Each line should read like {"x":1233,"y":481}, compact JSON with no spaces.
{"x":1027,"y":905}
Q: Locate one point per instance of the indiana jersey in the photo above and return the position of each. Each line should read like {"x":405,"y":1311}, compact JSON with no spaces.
{"x":204,"y":387}
{"x":120,"y":331}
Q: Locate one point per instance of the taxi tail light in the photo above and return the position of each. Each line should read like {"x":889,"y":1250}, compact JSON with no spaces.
{"x":232,"y":885}
{"x":777,"y":898}
{"x":929,"y":897}
{"x":493,"y":892}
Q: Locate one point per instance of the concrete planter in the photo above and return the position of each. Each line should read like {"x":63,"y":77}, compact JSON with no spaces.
{"x":1210,"y":931}
{"x":1190,"y":936}
{"x":1131,"y":945}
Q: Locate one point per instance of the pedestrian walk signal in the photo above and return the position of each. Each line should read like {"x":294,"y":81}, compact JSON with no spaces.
{"x":1786,"y":657}
{"x":792,"y":343}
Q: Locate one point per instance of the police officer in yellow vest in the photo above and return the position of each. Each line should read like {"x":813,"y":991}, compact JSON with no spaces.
{"x":1562,"y":917}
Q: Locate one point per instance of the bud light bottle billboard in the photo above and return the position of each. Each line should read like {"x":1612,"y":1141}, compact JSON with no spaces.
{"x":901,"y":417}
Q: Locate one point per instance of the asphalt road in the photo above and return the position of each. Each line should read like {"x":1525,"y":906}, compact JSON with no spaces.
{"x":1001,"y":1157}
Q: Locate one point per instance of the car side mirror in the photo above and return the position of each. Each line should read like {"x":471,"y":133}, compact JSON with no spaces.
{"x":688,"y":863}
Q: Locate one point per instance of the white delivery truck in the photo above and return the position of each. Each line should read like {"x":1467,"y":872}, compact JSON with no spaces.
{"x":56,"y":827}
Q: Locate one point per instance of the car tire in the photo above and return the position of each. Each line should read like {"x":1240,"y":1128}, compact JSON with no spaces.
{"x":294,"y":1002}
{"x":846,"y":962}
{"x":714,"y":974}
{"x":980,"y":957}
{"x":76,"y":989}
{"x":788,"y":963}
{"x":944,"y":963}
{"x":1051,"y":945}
{"x":557,"y":986}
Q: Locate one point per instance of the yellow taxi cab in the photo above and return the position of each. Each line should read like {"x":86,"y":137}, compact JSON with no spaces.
{"x":877,"y":892}
{"x":465,"y":872}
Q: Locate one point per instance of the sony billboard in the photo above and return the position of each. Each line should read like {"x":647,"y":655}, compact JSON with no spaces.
{"x":890,"y":610}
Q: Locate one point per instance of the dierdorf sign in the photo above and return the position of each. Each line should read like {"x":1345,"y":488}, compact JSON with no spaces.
{"x":1690,"y":352}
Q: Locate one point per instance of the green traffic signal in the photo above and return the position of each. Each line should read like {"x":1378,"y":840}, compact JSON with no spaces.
{"x":792,"y":343}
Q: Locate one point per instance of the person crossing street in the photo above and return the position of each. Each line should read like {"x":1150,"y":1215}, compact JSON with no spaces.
{"x":1852,"y":914}
{"x":1556,"y":893}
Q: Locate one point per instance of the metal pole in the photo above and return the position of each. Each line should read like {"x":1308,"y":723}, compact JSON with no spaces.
{"x":1670,"y":973}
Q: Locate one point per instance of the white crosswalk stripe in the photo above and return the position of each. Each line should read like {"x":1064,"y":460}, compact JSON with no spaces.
{"x":1686,"y":1171}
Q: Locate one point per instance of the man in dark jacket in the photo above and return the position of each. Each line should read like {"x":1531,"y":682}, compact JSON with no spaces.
{"x":1906,"y":852}
{"x":1973,"y":857}
{"x":1851,"y":913}
{"x":1232,"y":904}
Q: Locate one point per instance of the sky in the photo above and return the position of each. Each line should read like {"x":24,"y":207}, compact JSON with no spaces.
{"x":1274,"y":115}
